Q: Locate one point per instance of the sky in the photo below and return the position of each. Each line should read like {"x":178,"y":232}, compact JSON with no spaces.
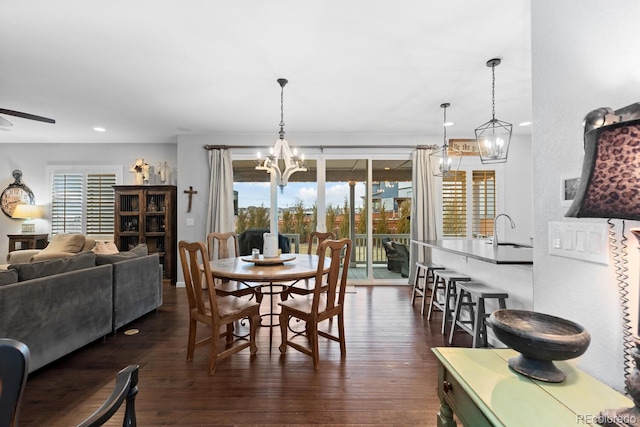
{"x":258,"y":193}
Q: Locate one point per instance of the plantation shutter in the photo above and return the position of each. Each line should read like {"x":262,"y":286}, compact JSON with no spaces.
{"x":82,"y":202}
{"x":66,"y":203}
{"x":454,"y":205}
{"x":484,"y":203}
{"x":100,"y":203}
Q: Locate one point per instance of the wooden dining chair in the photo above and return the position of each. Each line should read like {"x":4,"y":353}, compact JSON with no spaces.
{"x":217,"y":312}
{"x":326,"y":302}
{"x":14,"y":368}
{"x":306,"y":288}
{"x":225,"y":245}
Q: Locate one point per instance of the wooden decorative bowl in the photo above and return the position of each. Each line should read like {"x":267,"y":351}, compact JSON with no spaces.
{"x":540,"y":339}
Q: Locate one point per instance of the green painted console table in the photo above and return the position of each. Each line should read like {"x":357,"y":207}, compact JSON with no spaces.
{"x":478,"y":386}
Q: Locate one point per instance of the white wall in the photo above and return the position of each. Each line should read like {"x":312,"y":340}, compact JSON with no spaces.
{"x":32,"y":160}
{"x":584,"y":56}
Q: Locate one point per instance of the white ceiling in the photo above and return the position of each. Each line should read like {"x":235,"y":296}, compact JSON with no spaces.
{"x":145,"y":69}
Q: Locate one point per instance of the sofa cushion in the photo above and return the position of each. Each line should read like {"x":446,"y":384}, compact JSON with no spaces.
{"x":36,"y":269}
{"x":105,"y":248}
{"x":137,"y":251}
{"x":8,"y":277}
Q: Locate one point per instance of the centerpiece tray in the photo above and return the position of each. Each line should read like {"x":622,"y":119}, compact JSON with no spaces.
{"x":269,"y":261}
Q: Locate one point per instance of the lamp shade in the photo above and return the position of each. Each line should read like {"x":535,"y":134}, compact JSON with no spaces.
{"x":610,"y":180}
{"x":25,"y":211}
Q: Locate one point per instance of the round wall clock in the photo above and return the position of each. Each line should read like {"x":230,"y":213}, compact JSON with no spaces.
{"x":15,"y":193}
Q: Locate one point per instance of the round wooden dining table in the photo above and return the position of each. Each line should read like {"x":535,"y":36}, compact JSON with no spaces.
{"x":268,"y":276}
{"x":286,"y":268}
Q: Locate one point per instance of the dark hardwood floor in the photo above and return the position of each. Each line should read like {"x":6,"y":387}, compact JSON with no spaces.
{"x":388,"y":377}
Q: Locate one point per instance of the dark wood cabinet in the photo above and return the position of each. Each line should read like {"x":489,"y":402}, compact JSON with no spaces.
{"x":147,"y":214}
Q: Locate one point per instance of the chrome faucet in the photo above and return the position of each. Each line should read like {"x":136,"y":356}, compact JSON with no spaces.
{"x":495,"y":229}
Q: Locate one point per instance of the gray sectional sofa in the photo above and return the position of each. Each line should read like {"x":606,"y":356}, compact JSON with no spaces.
{"x":58,"y":306}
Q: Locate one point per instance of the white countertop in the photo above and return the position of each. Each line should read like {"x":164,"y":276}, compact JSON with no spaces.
{"x":483,"y":250}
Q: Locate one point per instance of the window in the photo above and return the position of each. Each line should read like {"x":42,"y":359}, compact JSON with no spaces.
{"x":82,"y":201}
{"x":454,"y":204}
{"x":484,"y":202}
{"x":458,"y":206}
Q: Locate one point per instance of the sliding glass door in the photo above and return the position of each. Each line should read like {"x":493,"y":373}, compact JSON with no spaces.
{"x":346,"y":209}
{"x":366,"y":200}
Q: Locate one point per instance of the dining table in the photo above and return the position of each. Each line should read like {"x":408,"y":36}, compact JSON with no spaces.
{"x":268,"y":276}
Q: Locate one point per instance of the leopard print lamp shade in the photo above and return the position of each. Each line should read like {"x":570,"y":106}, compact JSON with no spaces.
{"x":610,"y":180}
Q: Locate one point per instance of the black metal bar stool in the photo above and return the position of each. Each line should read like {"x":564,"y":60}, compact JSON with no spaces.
{"x":473,"y":295}
{"x":424,"y":270}
{"x":445,"y":281}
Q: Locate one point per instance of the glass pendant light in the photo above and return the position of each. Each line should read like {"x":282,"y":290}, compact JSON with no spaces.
{"x":494,"y":136}
{"x":445,"y":161}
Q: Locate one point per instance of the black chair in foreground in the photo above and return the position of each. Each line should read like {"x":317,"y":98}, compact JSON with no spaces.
{"x":14,"y":368}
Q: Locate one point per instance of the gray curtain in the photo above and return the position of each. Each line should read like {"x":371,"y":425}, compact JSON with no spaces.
{"x":423,"y":211}
{"x":220,"y":207}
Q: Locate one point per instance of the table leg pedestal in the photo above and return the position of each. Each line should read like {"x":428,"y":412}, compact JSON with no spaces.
{"x":272,"y":293}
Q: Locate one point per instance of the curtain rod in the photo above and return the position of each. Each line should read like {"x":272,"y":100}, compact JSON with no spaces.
{"x":322,"y":147}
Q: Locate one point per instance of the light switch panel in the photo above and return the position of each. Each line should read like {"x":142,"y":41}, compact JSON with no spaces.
{"x":587,"y":241}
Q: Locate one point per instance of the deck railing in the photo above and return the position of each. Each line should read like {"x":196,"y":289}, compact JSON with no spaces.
{"x":379,"y":255}
{"x":359,"y":251}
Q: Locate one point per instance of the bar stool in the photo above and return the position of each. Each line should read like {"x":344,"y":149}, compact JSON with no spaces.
{"x":473,"y":295}
{"x":424,"y":270}
{"x":445,"y":281}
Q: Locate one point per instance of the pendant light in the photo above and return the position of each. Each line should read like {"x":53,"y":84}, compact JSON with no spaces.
{"x":281,"y":161}
{"x":445,"y":161}
{"x":493,"y":137}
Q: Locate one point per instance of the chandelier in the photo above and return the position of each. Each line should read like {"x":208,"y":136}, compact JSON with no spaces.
{"x":282,"y":162}
{"x":445,"y":160}
{"x":494,"y":136}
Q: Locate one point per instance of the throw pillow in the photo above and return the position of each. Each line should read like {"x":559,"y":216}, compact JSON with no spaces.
{"x":105,"y":248}
{"x":138,"y":251}
{"x":36,"y":269}
{"x":8,"y":277}
{"x":89,"y":243}
{"x":66,"y":243}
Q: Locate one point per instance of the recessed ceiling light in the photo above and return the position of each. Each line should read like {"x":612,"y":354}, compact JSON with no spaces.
{"x":99,"y":129}
{"x":525,"y":124}
{"x":447,"y":124}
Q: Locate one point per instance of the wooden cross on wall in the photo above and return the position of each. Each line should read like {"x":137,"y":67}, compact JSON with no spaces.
{"x":190,"y":192}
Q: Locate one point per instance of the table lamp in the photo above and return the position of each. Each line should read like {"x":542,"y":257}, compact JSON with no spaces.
{"x":28,"y":212}
{"x":610,"y":188}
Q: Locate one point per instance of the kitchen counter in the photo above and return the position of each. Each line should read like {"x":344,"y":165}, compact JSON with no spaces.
{"x":483,"y":251}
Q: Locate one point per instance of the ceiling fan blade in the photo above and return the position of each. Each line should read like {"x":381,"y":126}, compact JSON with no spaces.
{"x":26,"y":116}
{"x":5,"y":122}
